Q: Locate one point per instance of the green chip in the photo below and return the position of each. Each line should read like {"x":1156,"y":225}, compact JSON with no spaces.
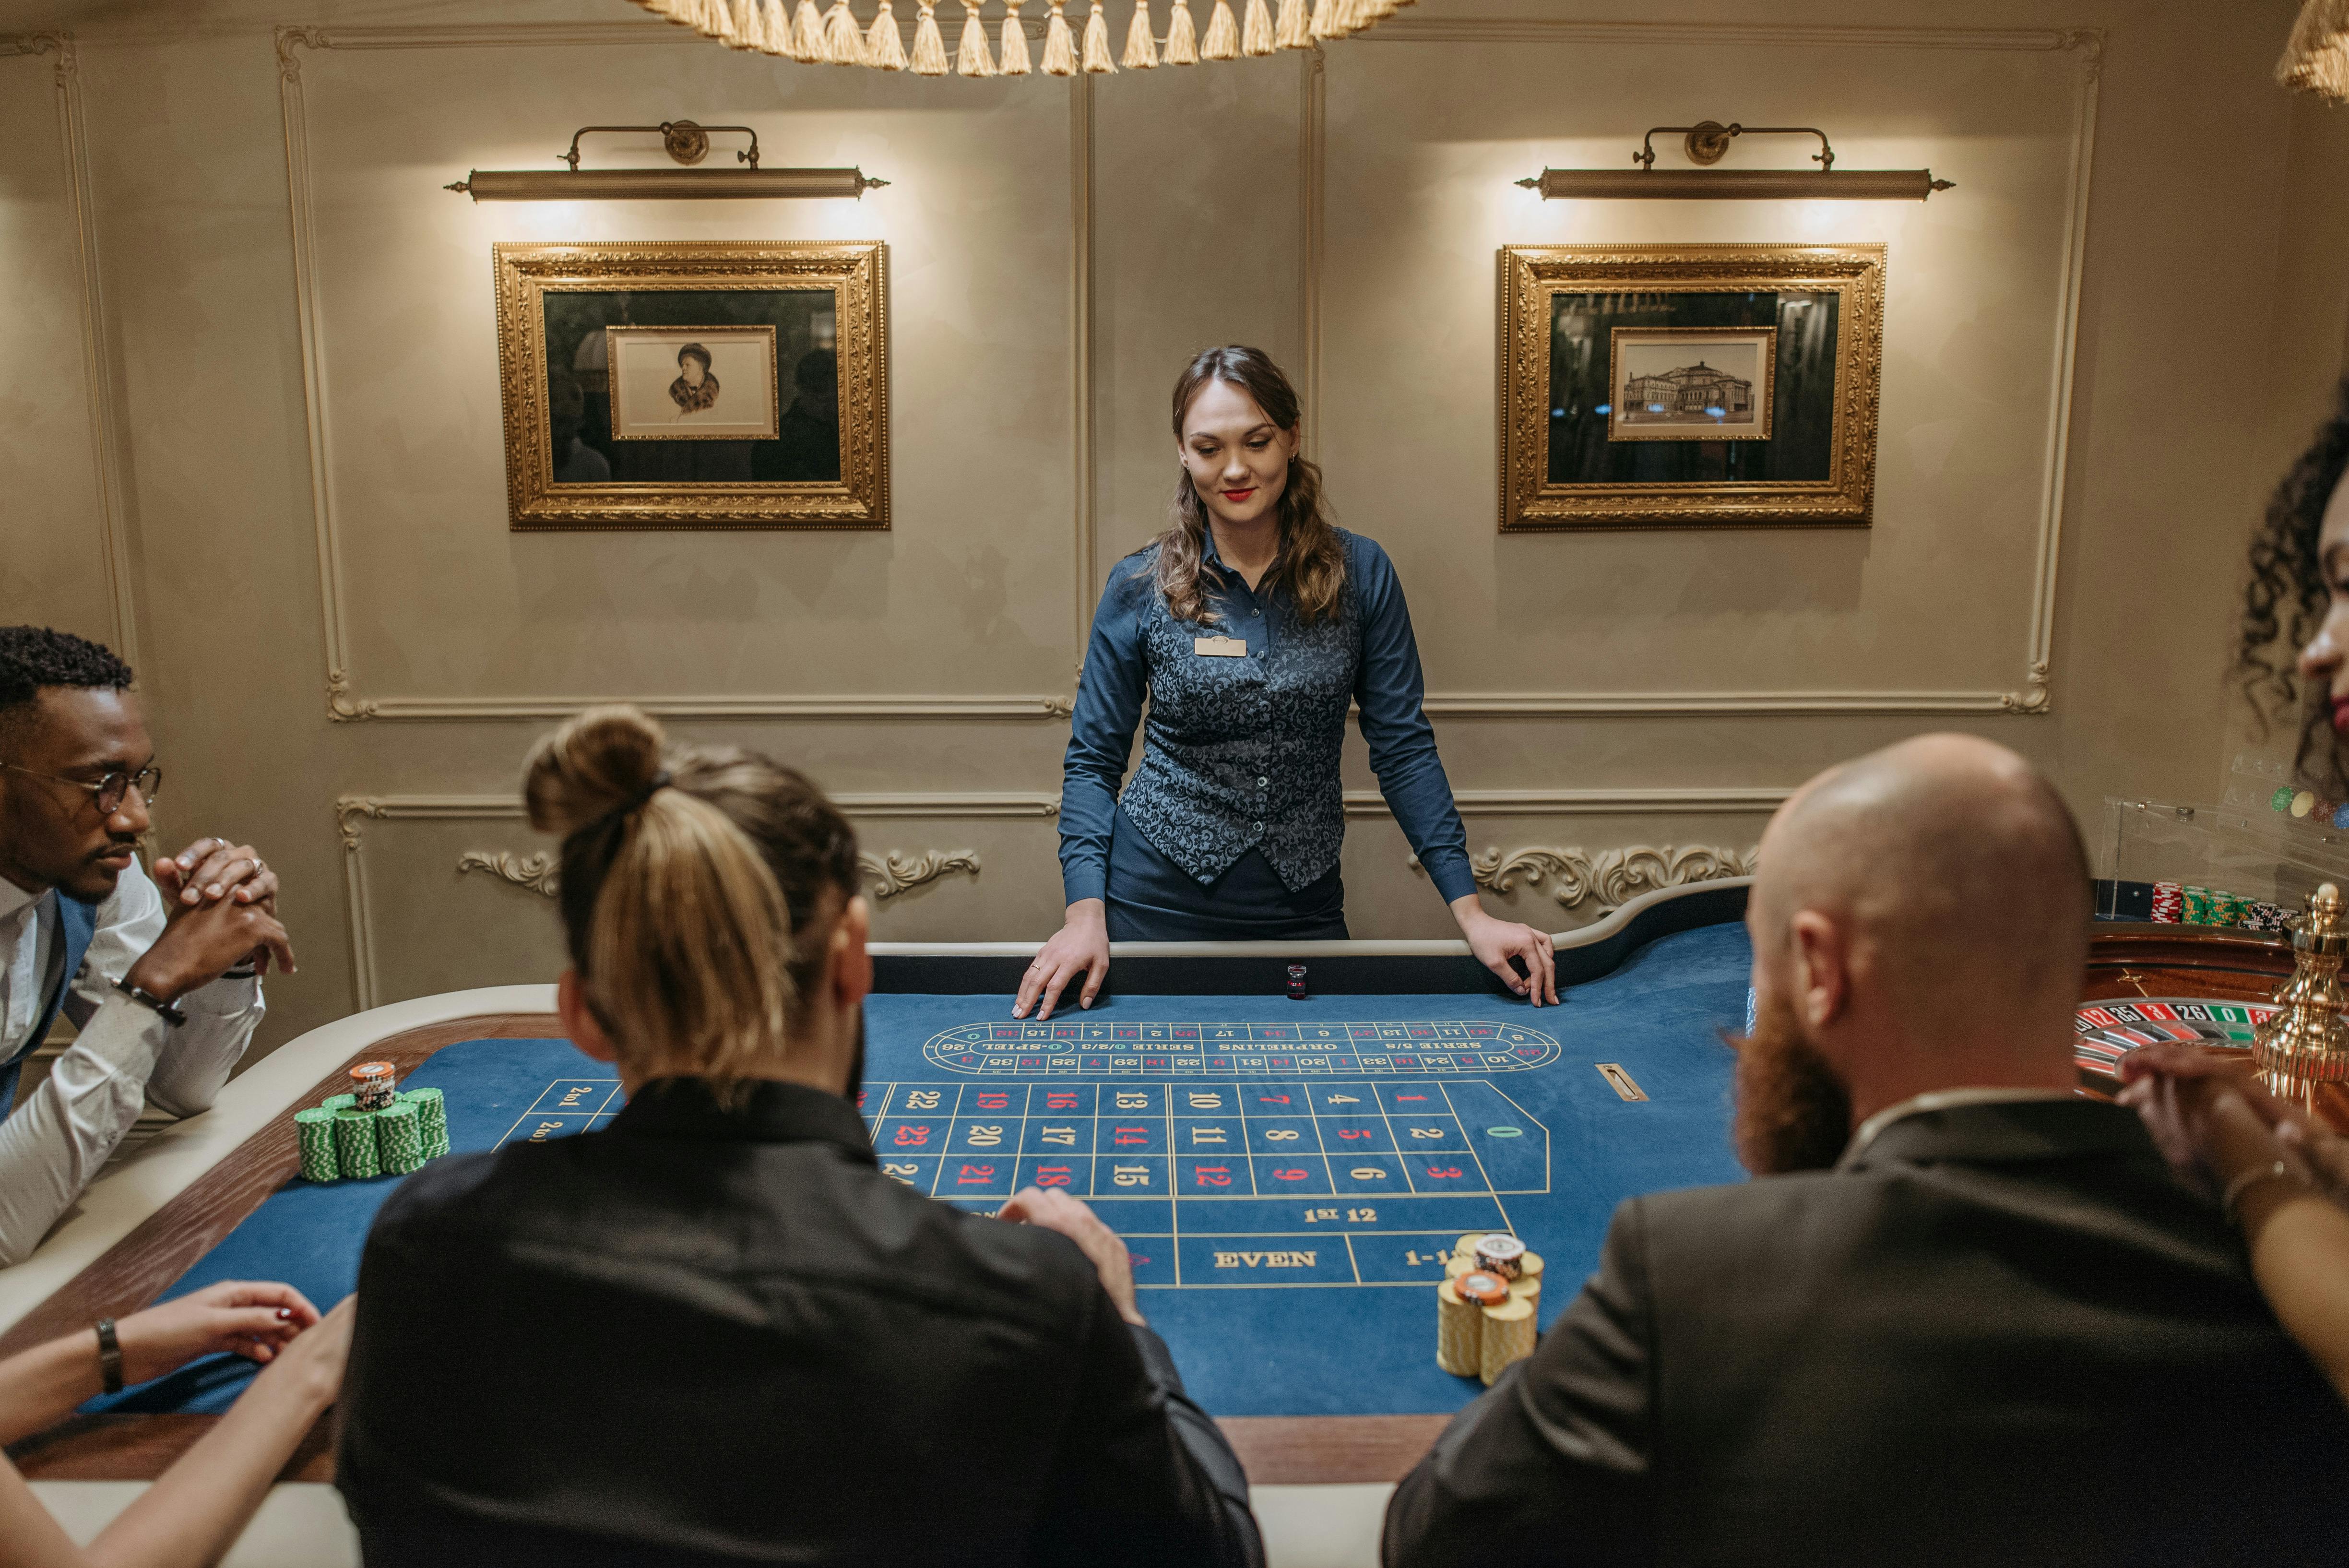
{"x":339,"y":1102}
{"x":314,"y":1128}
{"x":354,"y":1142}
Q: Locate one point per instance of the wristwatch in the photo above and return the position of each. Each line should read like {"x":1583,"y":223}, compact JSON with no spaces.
{"x":163,"y":1010}
{"x":109,"y":1356}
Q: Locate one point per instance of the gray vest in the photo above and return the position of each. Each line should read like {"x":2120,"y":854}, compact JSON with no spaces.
{"x":1243,"y":753}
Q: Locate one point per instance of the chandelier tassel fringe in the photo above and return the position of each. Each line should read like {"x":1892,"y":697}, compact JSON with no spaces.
{"x":1182,"y":38}
{"x":929,"y":46}
{"x":715,"y":21}
{"x":807,"y":34}
{"x":1292,"y":32}
{"x":1223,"y":39}
{"x":843,"y":45}
{"x":971,"y":59}
{"x":1059,"y":46}
{"x":2316,"y":59}
{"x":1097,"y":59}
{"x":1255,"y":33}
{"x":1015,"y":42}
{"x":1141,"y":48}
{"x":1332,"y":19}
{"x":774,"y":27}
{"x":885,"y":47}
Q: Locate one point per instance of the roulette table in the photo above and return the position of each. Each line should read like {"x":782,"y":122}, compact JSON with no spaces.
{"x":1289,"y":1174}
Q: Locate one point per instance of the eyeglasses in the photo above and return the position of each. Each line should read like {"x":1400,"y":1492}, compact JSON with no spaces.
{"x":109,"y":791}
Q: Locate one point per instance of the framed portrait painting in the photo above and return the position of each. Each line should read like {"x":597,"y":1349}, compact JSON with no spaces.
{"x":1646,"y":387}
{"x":694,"y":385}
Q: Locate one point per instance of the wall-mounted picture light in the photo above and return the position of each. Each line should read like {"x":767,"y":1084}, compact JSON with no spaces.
{"x":686,"y":142}
{"x":1705,"y":143}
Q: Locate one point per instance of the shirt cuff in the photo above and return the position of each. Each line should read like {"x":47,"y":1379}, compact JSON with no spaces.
{"x":224,"y":998}
{"x":1448,"y":869}
{"x":1082,"y":882}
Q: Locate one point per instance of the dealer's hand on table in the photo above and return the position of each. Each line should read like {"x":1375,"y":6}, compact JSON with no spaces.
{"x":253,"y":1319}
{"x":1053,"y":1209}
{"x":1495,"y":942}
{"x":1080,"y":947}
{"x":2216,"y":1123}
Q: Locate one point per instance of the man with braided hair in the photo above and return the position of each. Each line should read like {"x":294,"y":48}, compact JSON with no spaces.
{"x":160,"y":976}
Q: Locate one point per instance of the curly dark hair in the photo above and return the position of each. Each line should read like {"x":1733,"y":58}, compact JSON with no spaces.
{"x":2287,"y":595}
{"x":32,"y":657}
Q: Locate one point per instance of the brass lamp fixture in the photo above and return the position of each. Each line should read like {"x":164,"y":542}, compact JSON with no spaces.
{"x":687,"y":143}
{"x":1706,"y":143}
{"x":2305,"y":1045}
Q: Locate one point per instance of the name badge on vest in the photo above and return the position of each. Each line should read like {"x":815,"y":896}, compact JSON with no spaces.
{"x":1219,"y":647}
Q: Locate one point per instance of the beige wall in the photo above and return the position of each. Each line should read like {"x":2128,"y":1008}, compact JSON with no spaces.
{"x":310,"y":472}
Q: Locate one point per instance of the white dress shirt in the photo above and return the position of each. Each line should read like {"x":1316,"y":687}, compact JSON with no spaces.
{"x":57,"y":1137}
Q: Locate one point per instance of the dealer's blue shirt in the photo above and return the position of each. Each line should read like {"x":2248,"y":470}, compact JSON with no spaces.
{"x":1242,"y":753}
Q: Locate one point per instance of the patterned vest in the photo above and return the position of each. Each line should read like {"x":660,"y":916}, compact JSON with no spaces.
{"x":76,"y":924}
{"x":1243,"y":753}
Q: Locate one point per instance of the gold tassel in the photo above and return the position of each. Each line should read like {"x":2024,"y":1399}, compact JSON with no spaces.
{"x":807,"y":34}
{"x":972,"y":59}
{"x":1223,"y":40}
{"x":749,"y":31}
{"x":929,"y":49}
{"x":1097,"y":56}
{"x":1255,"y":33}
{"x":665,"y":9}
{"x":1330,"y":19}
{"x":1141,"y":48}
{"x":843,"y":45}
{"x":2316,"y":59}
{"x":1060,"y":48}
{"x":774,"y":29}
{"x":718,"y":21}
{"x":1182,"y":41}
{"x":1015,"y":42}
{"x":885,"y":47}
{"x":1293,"y":33}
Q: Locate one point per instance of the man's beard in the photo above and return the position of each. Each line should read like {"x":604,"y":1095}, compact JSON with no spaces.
{"x":1793,"y":1112}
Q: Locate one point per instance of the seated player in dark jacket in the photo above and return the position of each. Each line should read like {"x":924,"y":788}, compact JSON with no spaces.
{"x":1974,"y":1319}
{"x":714,"y":1332}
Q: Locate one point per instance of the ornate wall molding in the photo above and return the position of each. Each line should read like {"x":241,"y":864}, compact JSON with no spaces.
{"x":1590,"y":801}
{"x":97,"y":359}
{"x":1608,"y":877}
{"x":345,"y":704}
{"x":2034,"y":694}
{"x":886,"y":875}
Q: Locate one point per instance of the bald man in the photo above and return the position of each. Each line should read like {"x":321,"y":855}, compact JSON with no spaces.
{"x":1962,"y":1316}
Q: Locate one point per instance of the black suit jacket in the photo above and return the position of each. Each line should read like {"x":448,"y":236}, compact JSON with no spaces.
{"x":711,"y":1336}
{"x":2001,"y":1334}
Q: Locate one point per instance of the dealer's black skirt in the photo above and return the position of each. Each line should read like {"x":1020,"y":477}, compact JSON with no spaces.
{"x":1153,"y":899}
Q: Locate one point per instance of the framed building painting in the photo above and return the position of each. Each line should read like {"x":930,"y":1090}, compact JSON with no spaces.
{"x":691,"y":384}
{"x":1658,"y":386}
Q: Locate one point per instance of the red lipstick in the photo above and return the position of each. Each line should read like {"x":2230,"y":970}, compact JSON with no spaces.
{"x":2341,"y":715}
{"x":1236,"y":496}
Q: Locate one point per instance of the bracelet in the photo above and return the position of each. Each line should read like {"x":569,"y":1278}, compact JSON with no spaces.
{"x":2277,"y":1171}
{"x":109,"y":1356}
{"x":163,"y":1010}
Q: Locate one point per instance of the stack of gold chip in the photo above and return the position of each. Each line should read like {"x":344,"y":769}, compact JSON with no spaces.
{"x":1484,"y":1320}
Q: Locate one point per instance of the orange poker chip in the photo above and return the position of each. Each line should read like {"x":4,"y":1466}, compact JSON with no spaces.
{"x":1479,"y":1288}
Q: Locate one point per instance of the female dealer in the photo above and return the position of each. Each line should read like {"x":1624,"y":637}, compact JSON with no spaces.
{"x":1250,"y":624}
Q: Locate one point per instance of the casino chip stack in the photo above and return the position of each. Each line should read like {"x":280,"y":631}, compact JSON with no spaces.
{"x":374,"y":1130}
{"x":314,"y":1126}
{"x":2168,"y":903}
{"x":1487,"y":1305}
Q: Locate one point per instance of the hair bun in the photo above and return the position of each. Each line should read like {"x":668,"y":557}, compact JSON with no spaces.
{"x":594,"y":764}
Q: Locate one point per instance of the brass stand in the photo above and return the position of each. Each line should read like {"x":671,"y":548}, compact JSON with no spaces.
{"x":2306,"y":1043}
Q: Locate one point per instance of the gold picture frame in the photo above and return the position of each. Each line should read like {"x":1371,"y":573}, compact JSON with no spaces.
{"x":1567,"y":461}
{"x":796,"y":439}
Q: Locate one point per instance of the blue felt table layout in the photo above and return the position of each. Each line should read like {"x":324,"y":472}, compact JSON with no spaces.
{"x":1288,"y":1176}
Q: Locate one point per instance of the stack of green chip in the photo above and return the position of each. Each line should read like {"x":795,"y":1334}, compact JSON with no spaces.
{"x":399,"y":1138}
{"x":354,"y":1142}
{"x":314,"y":1126}
{"x":434,"y":1116}
{"x":339,"y":1102}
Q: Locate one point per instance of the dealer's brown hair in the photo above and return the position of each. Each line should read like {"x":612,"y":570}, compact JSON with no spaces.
{"x":698,"y":888}
{"x":1312,"y":567}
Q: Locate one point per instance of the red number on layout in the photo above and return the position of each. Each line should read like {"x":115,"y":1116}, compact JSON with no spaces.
{"x":1411,"y":1097}
{"x":1054,"y":1176}
{"x":1213,"y":1175}
{"x":978,"y":1175}
{"x":908,"y":1136}
{"x":1444,"y":1172}
{"x":1272,"y":1099}
{"x":1353,"y":1132}
{"x":994,"y":1102}
{"x":1059,"y":1102}
{"x":1288,"y":1176}
{"x":1129,"y":1135}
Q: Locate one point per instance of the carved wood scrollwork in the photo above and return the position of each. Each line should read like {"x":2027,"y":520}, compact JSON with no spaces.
{"x":885,"y":877}
{"x":1609,"y":876}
